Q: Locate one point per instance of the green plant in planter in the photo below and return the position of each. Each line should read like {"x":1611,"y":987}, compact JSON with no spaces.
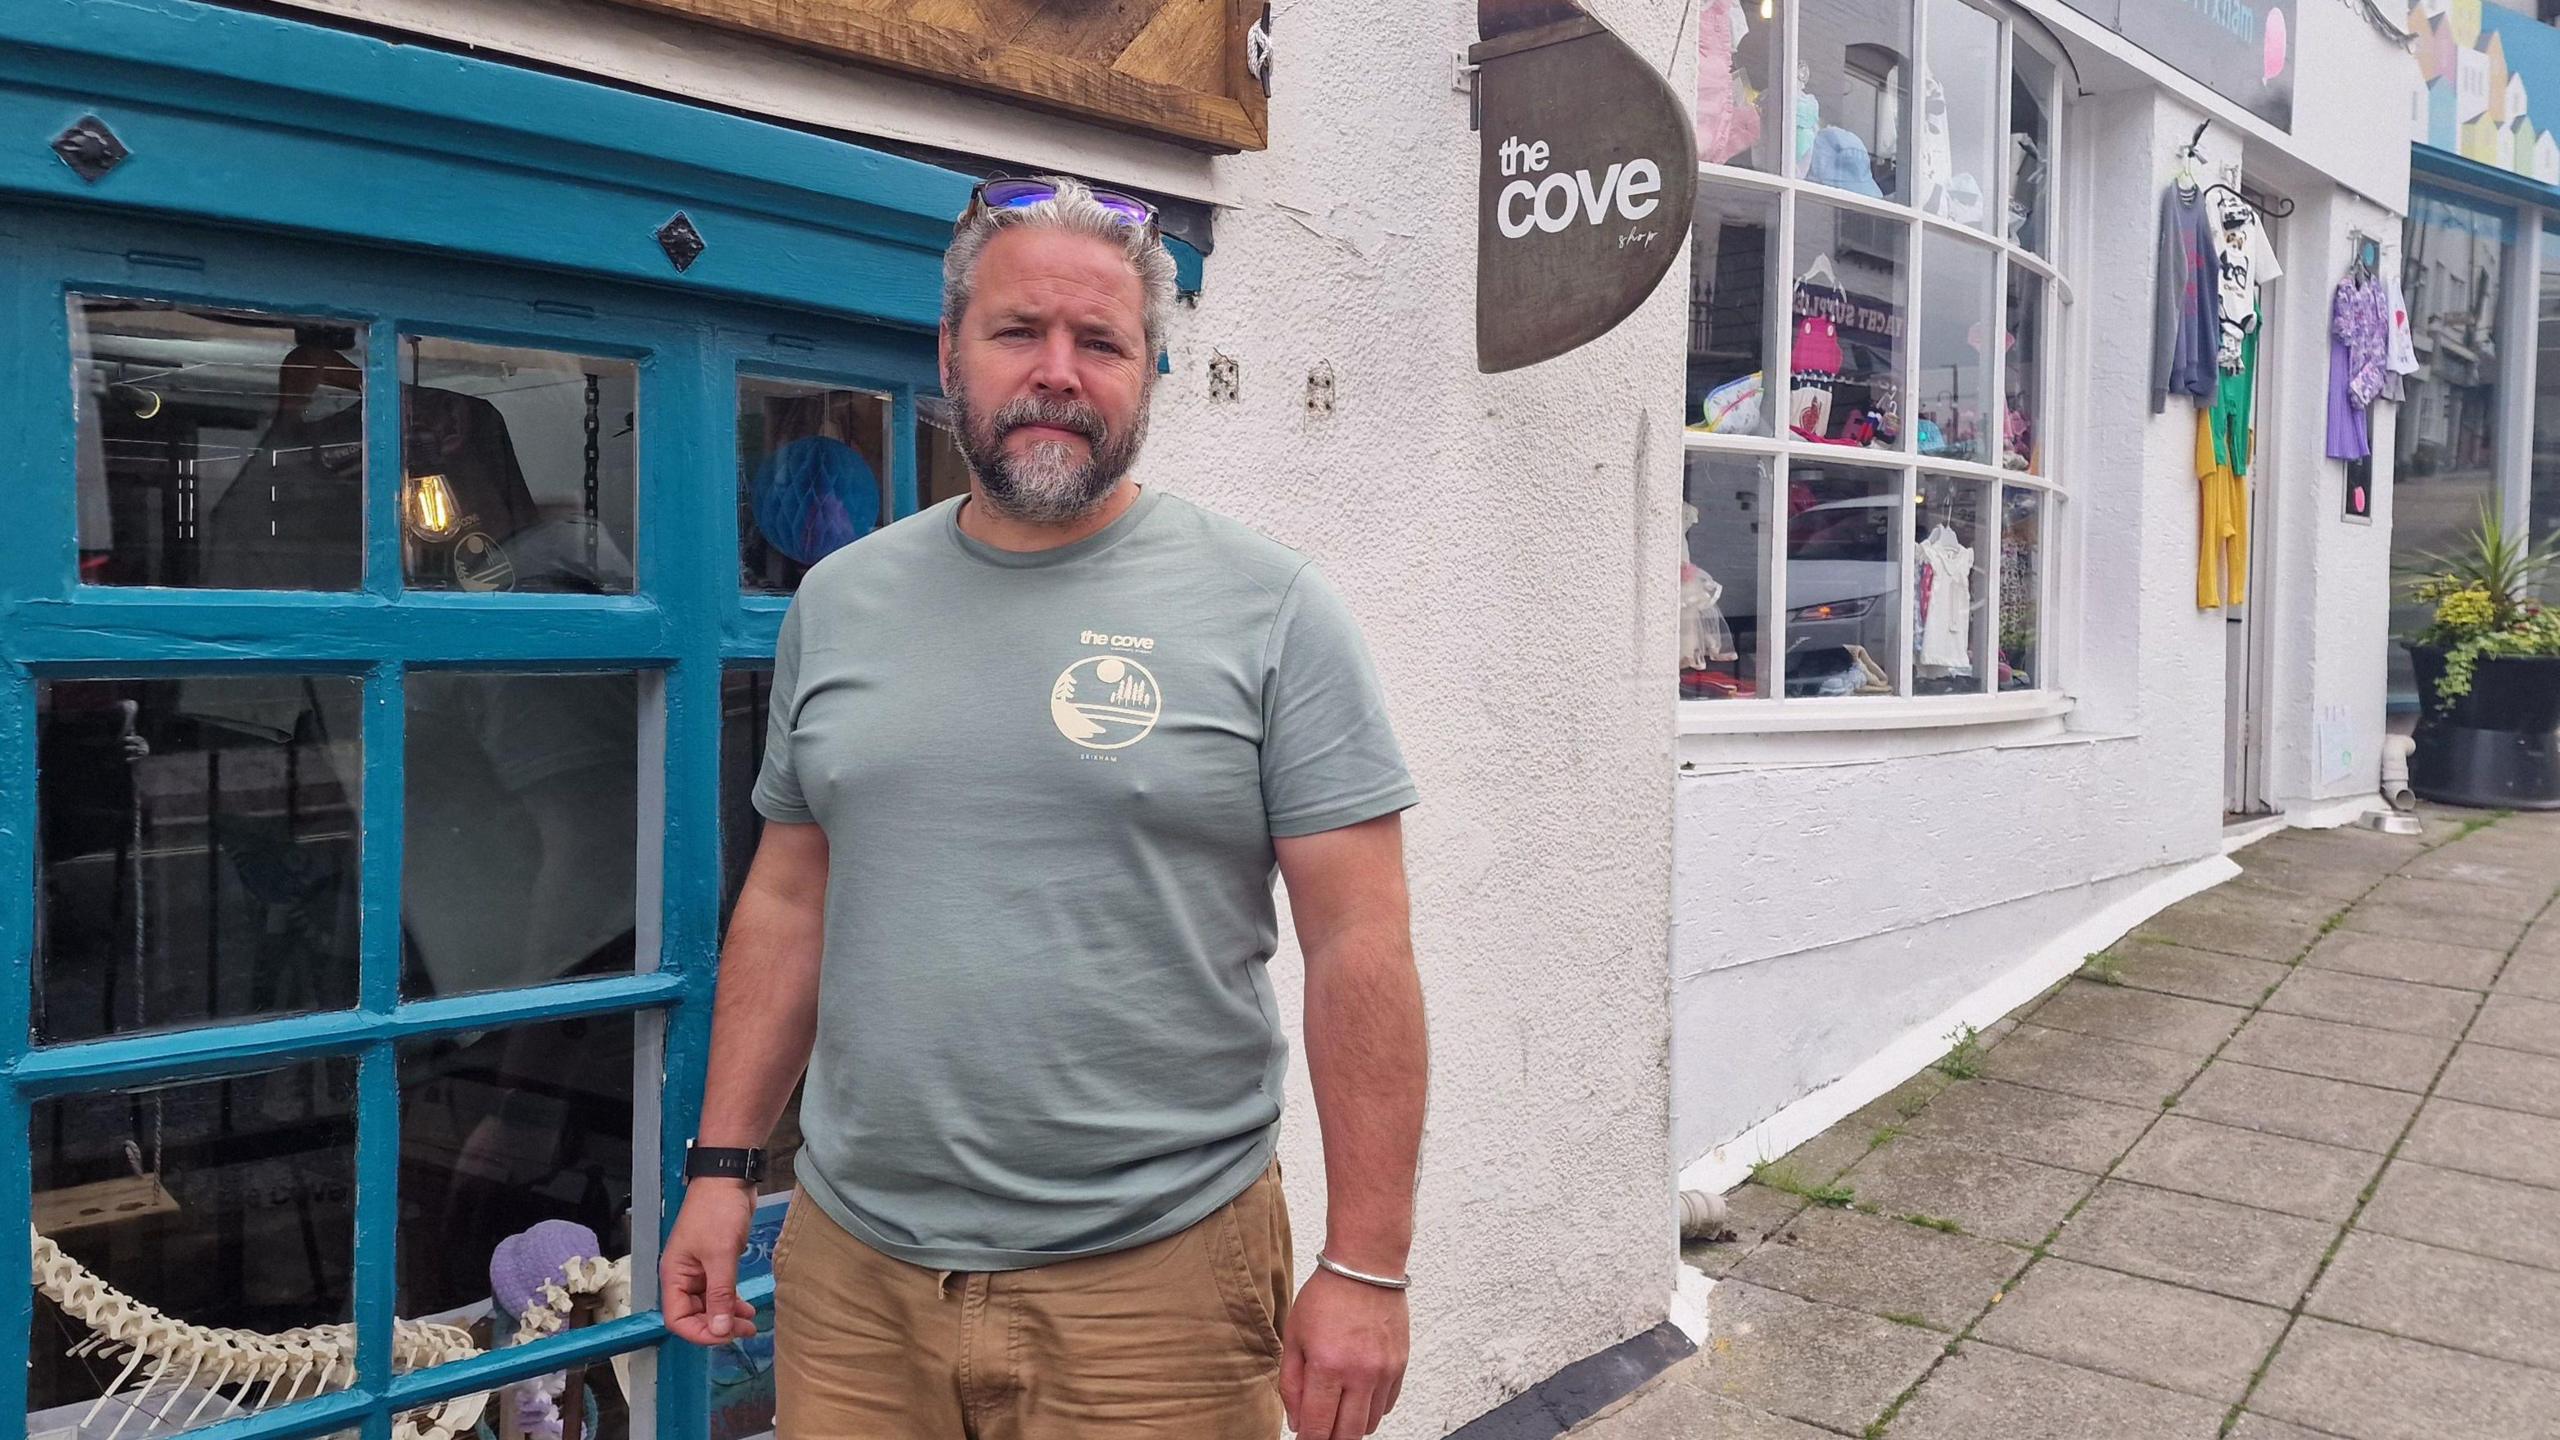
{"x":2483,"y":598}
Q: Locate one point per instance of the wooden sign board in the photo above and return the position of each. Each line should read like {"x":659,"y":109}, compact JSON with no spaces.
{"x":1170,"y":68}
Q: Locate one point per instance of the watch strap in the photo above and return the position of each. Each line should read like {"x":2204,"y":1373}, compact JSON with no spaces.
{"x":723,"y":1162}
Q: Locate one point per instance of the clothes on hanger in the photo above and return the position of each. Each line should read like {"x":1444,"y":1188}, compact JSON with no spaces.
{"x":2186,"y":316}
{"x":1728,"y":101}
{"x":1945,"y":642}
{"x":2226,"y":443}
{"x":2359,"y":349}
{"x":2244,"y":261}
{"x":2401,"y":358}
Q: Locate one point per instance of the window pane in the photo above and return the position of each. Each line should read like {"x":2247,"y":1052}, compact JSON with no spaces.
{"x":1951,"y":573}
{"x":1730,"y":285}
{"x":2546,"y":410}
{"x":1959,"y":114}
{"x":500,"y":1131}
{"x":1845,"y":346}
{"x":1844,"y":568}
{"x":813,"y":476}
{"x":200,"y":841}
{"x":217,"y":448}
{"x":1850,"y":121}
{"x":521,"y":857}
{"x":1738,"y":90}
{"x":746,"y":701}
{"x":224,"y":1204}
{"x":1955,"y":338}
{"x":941,"y":471}
{"x":2022,"y":373}
{"x":2030,"y":157}
{"x":516,"y":469}
{"x":2022,"y":588}
{"x":1724,"y":650}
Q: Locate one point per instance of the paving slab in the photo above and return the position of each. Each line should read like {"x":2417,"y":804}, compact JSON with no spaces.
{"x":2533,"y":973}
{"x":2365,"y":1386}
{"x":2519,"y":1023}
{"x":1997,"y":1197}
{"x":2233,"y":932}
{"x":2205,"y":1244}
{"x":2041,"y":1125}
{"x":2506,"y":1144}
{"x":1816,"y":1363}
{"x":2263,"y":902}
{"x":1984,"y":1391}
{"x":2306,"y":1107}
{"x":2253,"y":1426}
{"x":2394,"y":957}
{"x":2196,"y":974}
{"x":2371,"y":1001}
{"x":2509,"y":1079}
{"x":2406,"y":922}
{"x":2341,"y":1052}
{"x":1751,"y":1212}
{"x":1677,"y":1408}
{"x":2457,"y":898}
{"x":2503,"y":1219}
{"x":2302,"y":875}
{"x":2090,"y":1066}
{"x":2143,"y":1017}
{"x":2507,"y":869}
{"x":2270,"y":1172}
{"x":2135,"y":1329}
{"x":1883,"y":1266}
{"x":2461,"y":1301}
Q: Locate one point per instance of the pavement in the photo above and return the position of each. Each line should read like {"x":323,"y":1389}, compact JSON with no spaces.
{"x":2283,"y":1164}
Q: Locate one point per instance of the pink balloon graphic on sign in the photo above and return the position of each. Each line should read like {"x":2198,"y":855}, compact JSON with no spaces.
{"x":2275,"y":45}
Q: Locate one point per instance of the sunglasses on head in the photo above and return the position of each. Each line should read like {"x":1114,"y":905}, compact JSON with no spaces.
{"x":991,"y":195}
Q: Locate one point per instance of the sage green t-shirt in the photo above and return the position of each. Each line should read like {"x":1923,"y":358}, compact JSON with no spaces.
{"x":1049,"y":783}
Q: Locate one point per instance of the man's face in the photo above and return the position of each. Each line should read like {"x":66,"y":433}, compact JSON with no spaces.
{"x":1048,"y":373}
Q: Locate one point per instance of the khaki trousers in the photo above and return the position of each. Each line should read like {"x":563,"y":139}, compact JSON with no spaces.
{"x":1178,"y":1338}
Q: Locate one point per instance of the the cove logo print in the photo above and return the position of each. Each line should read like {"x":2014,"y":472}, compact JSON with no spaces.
{"x":1107,"y":702}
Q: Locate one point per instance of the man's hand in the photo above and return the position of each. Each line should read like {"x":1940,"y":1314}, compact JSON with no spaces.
{"x":1342,"y":1362}
{"x":698,"y":1269}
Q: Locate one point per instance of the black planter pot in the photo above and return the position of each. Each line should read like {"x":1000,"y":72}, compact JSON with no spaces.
{"x":2497,"y":748}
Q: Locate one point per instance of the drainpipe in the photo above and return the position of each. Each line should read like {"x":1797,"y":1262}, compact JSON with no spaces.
{"x":2395,"y":772}
{"x":1702,"y":1215}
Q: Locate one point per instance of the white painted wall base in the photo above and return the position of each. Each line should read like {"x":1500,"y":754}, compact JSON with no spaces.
{"x":1689,"y":1291}
{"x":1729,"y":1164}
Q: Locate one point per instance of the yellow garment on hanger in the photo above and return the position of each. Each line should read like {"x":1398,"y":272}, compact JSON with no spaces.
{"x":2222,"y":518}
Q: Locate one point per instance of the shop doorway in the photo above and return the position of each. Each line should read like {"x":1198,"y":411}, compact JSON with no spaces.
{"x":2245,"y":639}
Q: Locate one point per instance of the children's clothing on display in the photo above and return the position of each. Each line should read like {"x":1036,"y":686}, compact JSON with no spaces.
{"x":2186,"y":316}
{"x":2244,"y":261}
{"x":2359,"y":349}
{"x":1728,"y":103}
{"x":1946,"y":604}
{"x":1839,"y":159}
{"x":2226,"y":441}
{"x":2402,"y":358}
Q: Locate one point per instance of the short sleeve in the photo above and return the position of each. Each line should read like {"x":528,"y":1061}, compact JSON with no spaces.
{"x":2262,"y":256}
{"x":1329,"y":757}
{"x":777,"y":793}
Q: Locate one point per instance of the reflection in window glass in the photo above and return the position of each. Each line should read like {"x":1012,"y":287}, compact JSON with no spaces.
{"x":2021,"y":588}
{"x":1951,"y":587}
{"x":516,"y":469}
{"x":1730,"y":285}
{"x":500,"y":1131}
{"x":1724,"y":579}
{"x":813,"y":476}
{"x":1956,"y":329}
{"x":2022,"y":373}
{"x":2546,"y":411}
{"x":200,"y":843}
{"x":1846,"y":327}
{"x":1851,"y":118}
{"x":1844,"y":572}
{"x":941,"y":470}
{"x":2030,"y":157}
{"x":227,"y":1204}
{"x":217,"y":448}
{"x":746,"y":700}
{"x":520,"y":861}
{"x":1738,"y":90}
{"x":1959,"y":104}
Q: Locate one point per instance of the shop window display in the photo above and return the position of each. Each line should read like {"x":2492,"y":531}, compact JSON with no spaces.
{"x":1724,"y":579}
{"x":2030,"y":147}
{"x":1950,"y":587}
{"x":813,"y":476}
{"x":2022,"y":372}
{"x":1846,"y":328}
{"x":1738,"y":90}
{"x":1731,"y":278}
{"x":1958,"y":108}
{"x":1957,"y":417}
{"x":1852,"y":103}
{"x":1844,"y":581}
{"x":2021,"y":622}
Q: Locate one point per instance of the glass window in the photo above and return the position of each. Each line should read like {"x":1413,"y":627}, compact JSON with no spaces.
{"x":1738,"y":89}
{"x":1853,"y":110}
{"x":520,"y":863}
{"x":1724,"y":579}
{"x":1951,"y":587}
{"x":1731,"y":283}
{"x":1845,"y":336}
{"x":1959,"y":106}
{"x":217,"y":448}
{"x":2022,"y":373}
{"x":1844,"y":569}
{"x":1955,"y":361}
{"x":223,"y":1204}
{"x":2030,"y":157}
{"x":813,"y":476}
{"x":517,"y":469}
{"x":2022,"y":542}
{"x":2545,"y":519}
{"x":199,"y":840}
{"x":942,"y":472}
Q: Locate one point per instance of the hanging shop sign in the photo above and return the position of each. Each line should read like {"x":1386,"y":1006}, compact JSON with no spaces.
{"x":2242,"y":50}
{"x":1587,"y":175}
{"x":2483,"y":67}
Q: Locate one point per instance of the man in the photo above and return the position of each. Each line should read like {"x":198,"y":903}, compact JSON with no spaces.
{"x":1035,"y":755}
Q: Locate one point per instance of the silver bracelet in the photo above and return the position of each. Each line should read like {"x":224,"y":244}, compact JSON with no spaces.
{"x":1383,"y":1282}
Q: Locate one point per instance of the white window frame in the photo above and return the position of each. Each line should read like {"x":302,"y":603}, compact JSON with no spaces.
{"x":1905,"y":710}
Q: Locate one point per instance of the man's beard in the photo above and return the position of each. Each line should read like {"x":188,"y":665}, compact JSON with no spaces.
{"x":1047,"y":485}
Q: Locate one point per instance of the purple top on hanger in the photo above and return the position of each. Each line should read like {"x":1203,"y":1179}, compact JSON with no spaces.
{"x":2359,"y":344}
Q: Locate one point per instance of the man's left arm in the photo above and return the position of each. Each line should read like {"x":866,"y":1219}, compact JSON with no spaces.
{"x":1344,"y":1360}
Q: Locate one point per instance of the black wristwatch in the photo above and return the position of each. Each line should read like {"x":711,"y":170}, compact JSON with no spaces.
{"x":716,"y":1162}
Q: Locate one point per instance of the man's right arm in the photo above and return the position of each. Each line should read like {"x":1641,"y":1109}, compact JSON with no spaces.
{"x":762,"y":1027}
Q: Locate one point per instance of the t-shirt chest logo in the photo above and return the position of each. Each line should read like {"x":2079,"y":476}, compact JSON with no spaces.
{"x":1107,"y":702}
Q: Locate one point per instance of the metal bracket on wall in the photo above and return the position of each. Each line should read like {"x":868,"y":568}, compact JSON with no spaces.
{"x":1224,"y":382}
{"x":681,"y":241}
{"x":90,"y":148}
